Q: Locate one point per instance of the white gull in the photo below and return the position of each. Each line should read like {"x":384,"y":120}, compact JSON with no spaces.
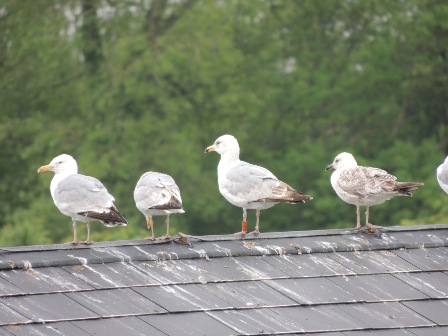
{"x":81,"y":197}
{"x":249,"y":186}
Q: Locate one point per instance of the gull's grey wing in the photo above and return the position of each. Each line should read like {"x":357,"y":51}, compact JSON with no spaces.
{"x":87,"y":196}
{"x":252,"y":182}
{"x":257,"y":184}
{"x":364,"y":181}
{"x":157,"y":191}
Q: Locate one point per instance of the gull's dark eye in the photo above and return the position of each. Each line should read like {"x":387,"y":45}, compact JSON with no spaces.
{"x":217,"y":142}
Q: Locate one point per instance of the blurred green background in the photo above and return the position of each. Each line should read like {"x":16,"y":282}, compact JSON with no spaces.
{"x":137,"y":85}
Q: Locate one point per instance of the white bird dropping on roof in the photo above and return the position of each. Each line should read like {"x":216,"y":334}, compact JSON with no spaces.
{"x":249,"y":186}
{"x":367,"y":186}
{"x":442,"y":175}
{"x":157,"y":194}
{"x":81,"y":197}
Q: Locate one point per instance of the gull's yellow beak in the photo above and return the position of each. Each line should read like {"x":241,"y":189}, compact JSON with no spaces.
{"x":210,"y":149}
{"x":45,"y":168}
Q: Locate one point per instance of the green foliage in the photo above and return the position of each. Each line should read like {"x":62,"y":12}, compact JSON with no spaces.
{"x":129,"y":87}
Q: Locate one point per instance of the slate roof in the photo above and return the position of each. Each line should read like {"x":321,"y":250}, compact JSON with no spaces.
{"x":332,"y":283}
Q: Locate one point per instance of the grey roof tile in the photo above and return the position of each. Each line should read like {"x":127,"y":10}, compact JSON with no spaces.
{"x":433,"y":284}
{"x":6,"y":287}
{"x":177,"y":298}
{"x":5,"y":332}
{"x":431,"y":331}
{"x":308,"y":265}
{"x":434,"y":310}
{"x":368,"y":262}
{"x":123,"y":326}
{"x":48,"y":307}
{"x":381,"y":332}
{"x":258,"y":268}
{"x":203,"y":270}
{"x":192,"y":323}
{"x":385,"y":315}
{"x":288,"y":319}
{"x":115,"y":302}
{"x":49,"y":329}
{"x":240,"y":268}
{"x":247,"y":294}
{"x":256,"y":321}
{"x":433,"y":259}
{"x":312,"y":290}
{"x":111,"y":275}
{"x":378,"y":287}
{"x":320,"y":318}
{"x":44,"y":280}
{"x":9,"y":315}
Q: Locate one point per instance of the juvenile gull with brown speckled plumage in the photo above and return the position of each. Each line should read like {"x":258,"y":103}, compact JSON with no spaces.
{"x":367,"y":186}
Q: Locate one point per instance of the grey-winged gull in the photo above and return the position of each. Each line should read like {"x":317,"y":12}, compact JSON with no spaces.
{"x":81,"y":197}
{"x":249,"y":186}
{"x":157,"y":194}
{"x":442,"y":175}
{"x":367,"y":186}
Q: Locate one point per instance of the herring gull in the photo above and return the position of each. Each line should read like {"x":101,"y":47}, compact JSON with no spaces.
{"x":81,"y":197}
{"x":367,"y":186}
{"x":157,"y":194}
{"x":249,"y":186}
{"x":442,"y":175}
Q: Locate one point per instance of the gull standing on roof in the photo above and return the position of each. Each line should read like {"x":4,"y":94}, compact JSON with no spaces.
{"x":249,"y":186}
{"x":81,"y":197}
{"x":442,"y":175}
{"x":157,"y":194}
{"x":367,"y":186}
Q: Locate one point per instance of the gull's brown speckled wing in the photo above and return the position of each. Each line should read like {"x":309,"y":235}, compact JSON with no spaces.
{"x":365,"y":181}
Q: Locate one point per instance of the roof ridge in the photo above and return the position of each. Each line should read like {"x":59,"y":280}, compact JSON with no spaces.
{"x":306,"y":242}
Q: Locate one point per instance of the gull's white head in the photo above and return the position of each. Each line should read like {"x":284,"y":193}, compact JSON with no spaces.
{"x":225,"y":144}
{"x":343,"y":161}
{"x":63,"y":163}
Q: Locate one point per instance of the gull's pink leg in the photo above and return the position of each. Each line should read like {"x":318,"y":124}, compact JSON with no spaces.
{"x":150,"y":225}
{"x":358,"y":218}
{"x":88,"y":241}
{"x":75,"y":237}
{"x":257,"y":224}
{"x":368,"y":225}
{"x":167,"y":221}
